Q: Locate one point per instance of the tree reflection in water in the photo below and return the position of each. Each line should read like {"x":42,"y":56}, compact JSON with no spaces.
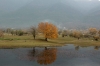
{"x":31,"y":54}
{"x":77,"y":48}
{"x":48,"y":56}
{"x":96,"y":47}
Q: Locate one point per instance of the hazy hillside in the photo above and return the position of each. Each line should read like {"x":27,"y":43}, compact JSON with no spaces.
{"x":32,"y":13}
{"x":67,"y":13}
{"x":93,"y":17}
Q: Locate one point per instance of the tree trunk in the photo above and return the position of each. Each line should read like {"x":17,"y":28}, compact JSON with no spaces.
{"x":33,"y":49}
{"x":46,"y":39}
{"x":62,"y":35}
{"x":34,"y":36}
{"x":45,"y":48}
{"x":33,"y":53}
{"x":78,"y":38}
{"x":96,"y":39}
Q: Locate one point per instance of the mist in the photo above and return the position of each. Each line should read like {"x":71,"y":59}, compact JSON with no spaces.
{"x":24,"y":13}
{"x":12,"y":5}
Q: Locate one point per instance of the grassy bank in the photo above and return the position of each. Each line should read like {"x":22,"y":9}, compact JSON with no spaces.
{"x":10,"y":41}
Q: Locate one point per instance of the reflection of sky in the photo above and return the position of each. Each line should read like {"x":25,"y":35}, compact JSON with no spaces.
{"x":66,"y":56}
{"x":86,"y":56}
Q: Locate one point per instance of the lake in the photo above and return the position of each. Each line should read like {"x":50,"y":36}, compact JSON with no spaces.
{"x":69,"y":55}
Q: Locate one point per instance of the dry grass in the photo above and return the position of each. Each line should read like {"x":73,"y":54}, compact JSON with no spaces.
{"x":10,"y":41}
{"x":25,"y":41}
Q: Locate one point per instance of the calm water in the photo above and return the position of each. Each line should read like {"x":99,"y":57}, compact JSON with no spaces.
{"x":69,"y":55}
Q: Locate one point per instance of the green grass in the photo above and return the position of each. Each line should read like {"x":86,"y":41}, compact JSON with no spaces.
{"x":10,"y":41}
{"x":25,"y":41}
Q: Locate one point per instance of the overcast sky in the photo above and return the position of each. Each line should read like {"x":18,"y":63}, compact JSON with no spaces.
{"x":11,"y":5}
{"x":16,"y":7}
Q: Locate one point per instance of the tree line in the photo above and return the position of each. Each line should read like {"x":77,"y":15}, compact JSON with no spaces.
{"x":88,"y":33}
{"x":50,"y":31}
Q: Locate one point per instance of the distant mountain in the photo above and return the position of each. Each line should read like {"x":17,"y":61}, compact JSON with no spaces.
{"x":57,"y":12}
{"x":33,"y":13}
{"x":93,"y":17}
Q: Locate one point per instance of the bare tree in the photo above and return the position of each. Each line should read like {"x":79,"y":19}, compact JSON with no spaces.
{"x":33,"y":31}
{"x":59,"y":32}
{"x":65,"y":33}
{"x":1,"y":33}
{"x":12,"y":32}
{"x":8,"y":31}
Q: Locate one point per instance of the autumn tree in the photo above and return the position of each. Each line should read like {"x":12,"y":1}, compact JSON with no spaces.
{"x":93,"y":31}
{"x":86,"y":35}
{"x":33,"y":31}
{"x":99,"y":32}
{"x":49,"y":30}
{"x":96,"y":37}
{"x":77,"y":34}
{"x":71,"y":34}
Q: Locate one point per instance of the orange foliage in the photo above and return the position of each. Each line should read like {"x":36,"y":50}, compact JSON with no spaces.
{"x":99,"y":32}
{"x":92,"y":31}
{"x":48,"y":56}
{"x":77,"y":34}
{"x":49,"y":30}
